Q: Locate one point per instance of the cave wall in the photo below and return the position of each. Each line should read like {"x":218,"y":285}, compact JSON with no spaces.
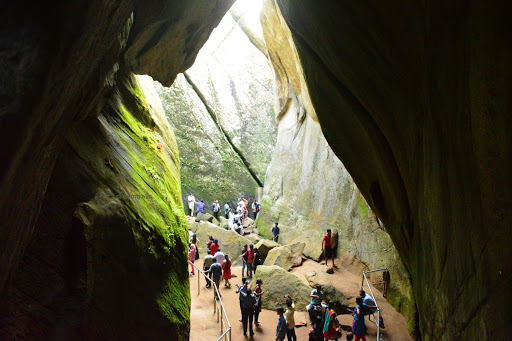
{"x":422,"y":91}
{"x":106,"y":260}
{"x":308,"y":188}
{"x":93,"y":257}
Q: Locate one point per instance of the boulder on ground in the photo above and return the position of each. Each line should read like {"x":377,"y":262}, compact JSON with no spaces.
{"x":255,"y":231}
{"x":318,"y":277}
{"x":313,"y":240}
{"x":333,"y":294}
{"x":330,"y":271}
{"x":223,"y":220}
{"x":254,"y":238}
{"x":287,"y":256}
{"x":265,"y":246}
{"x":277,"y":283}
{"x":206,"y":217}
{"x":230,"y":242}
{"x":248,"y":222}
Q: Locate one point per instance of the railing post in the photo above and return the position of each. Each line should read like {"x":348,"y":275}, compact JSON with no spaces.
{"x":198,"y":281}
{"x":221,"y":323}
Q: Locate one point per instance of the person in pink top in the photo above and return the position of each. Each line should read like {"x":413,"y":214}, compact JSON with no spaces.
{"x":192,"y":257}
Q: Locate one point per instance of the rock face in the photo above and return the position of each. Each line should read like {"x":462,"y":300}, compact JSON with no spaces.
{"x":277,"y":283}
{"x":67,"y":116}
{"x":222,"y":108}
{"x":113,"y":213}
{"x":230,"y":242}
{"x":307,"y":188}
{"x":422,"y":91}
{"x":207,"y":217}
{"x":432,"y":159}
{"x":287,"y":256}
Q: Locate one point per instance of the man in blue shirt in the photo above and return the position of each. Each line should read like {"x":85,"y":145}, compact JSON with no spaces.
{"x":316,"y":301}
{"x":281,"y":325}
{"x":275,"y":233}
{"x":216,"y":271}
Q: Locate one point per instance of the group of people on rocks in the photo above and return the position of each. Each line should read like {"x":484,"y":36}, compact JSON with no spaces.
{"x":325,"y":325}
{"x":240,"y":213}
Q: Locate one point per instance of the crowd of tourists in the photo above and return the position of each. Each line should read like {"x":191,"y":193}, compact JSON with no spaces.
{"x":325,"y":325}
{"x":235,"y":215}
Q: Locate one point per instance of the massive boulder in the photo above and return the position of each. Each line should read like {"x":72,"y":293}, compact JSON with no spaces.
{"x":206,"y":217}
{"x":287,"y":256}
{"x":313,"y":244}
{"x":264,"y":246}
{"x":277,"y":283}
{"x":231,"y":243}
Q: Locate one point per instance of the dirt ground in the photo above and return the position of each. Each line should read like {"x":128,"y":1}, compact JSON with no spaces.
{"x":204,"y":326}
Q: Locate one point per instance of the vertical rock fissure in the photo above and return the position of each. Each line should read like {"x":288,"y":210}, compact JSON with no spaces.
{"x":213,"y":115}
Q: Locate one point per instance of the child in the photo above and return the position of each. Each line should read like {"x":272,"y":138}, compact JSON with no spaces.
{"x":281,"y":325}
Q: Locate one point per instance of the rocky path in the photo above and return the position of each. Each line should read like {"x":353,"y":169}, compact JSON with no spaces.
{"x":203,"y":321}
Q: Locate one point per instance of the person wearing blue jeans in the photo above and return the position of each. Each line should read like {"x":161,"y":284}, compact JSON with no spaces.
{"x":250,"y":260}
{"x":244,"y":259}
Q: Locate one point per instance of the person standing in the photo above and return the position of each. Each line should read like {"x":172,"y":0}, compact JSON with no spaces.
{"x":281,"y":325}
{"x":226,"y":271}
{"x":200,"y":207}
{"x":216,"y":270}
{"x":226,"y":209}
{"x":214,"y":247}
{"x":195,"y":241}
{"x":208,"y":261}
{"x":258,"y":292}
{"x":358,"y":327}
{"x":191,"y":201}
{"x":255,"y":208}
{"x":219,"y":256}
{"x":239,"y":289}
{"x":216,"y":209}
{"x":290,"y":320}
{"x":248,"y":302}
{"x":257,"y":259}
{"x":331,"y":324}
{"x":192,"y":257}
{"x":327,"y":248}
{"x":275,"y":233}
{"x":250,"y":260}
{"x":244,"y":259}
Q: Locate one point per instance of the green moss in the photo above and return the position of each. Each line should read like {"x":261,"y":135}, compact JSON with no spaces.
{"x":363,"y":210}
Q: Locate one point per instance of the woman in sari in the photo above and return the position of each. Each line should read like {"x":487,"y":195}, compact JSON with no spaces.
{"x":331,"y":324}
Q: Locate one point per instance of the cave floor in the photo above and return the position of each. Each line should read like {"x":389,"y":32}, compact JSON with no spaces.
{"x":204,"y":327}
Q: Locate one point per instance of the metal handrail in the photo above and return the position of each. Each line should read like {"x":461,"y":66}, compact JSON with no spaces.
{"x":216,"y":307}
{"x":365,"y":278}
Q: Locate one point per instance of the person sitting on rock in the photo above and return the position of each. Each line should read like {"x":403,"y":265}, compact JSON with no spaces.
{"x":239,"y":229}
{"x":368,"y":301}
{"x":316,"y":303}
{"x":275,"y":233}
{"x":327,"y":249}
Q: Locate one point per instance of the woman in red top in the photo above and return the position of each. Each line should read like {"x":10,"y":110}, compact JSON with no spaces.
{"x":250,"y":260}
{"x":214,"y":247}
{"x":226,"y":271}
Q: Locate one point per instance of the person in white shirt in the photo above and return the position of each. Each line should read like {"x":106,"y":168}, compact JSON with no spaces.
{"x":219,"y":256}
{"x":191,"y":201}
